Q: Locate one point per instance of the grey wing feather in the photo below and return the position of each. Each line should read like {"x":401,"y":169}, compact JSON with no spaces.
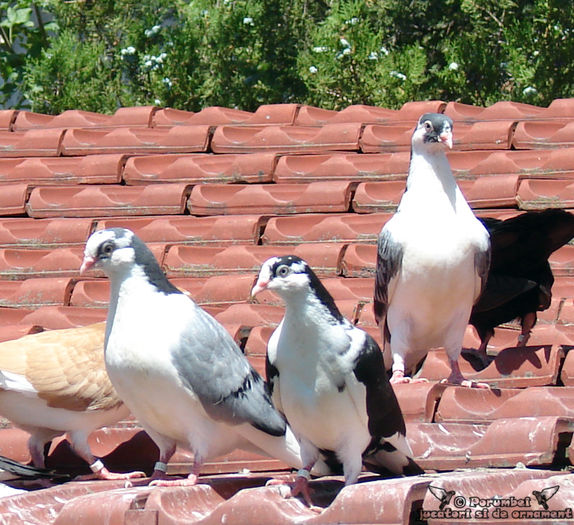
{"x":482,"y":266}
{"x":389,"y":259}
{"x":211,"y":365}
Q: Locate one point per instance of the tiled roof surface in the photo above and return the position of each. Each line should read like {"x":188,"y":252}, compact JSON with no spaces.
{"x":215,"y":193}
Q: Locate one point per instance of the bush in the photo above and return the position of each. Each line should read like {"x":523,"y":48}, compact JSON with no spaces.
{"x":243,"y":53}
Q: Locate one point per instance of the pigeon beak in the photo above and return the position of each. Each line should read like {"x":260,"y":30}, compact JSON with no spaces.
{"x":88,"y":263}
{"x":259,"y":287}
{"x":446,"y":138}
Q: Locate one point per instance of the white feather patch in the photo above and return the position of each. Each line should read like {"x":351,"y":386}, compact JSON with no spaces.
{"x":16,"y":383}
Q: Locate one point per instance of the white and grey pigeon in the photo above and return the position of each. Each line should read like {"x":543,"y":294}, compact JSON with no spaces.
{"x":176,"y":368}
{"x":327,"y":376}
{"x":432,"y":261}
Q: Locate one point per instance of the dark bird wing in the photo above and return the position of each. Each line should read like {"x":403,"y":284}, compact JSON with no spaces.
{"x":211,"y":365}
{"x":10,"y":469}
{"x":389,"y":259}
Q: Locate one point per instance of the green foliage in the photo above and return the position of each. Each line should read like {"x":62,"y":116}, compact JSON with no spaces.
{"x":100,"y":55}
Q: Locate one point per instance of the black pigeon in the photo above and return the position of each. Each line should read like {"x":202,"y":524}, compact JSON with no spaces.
{"x":520,"y":280}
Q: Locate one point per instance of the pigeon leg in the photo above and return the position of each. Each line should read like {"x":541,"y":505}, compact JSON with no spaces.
{"x":79,"y":443}
{"x":456,"y":377}
{"x":399,"y":377}
{"x":528,"y":322}
{"x":160,"y":468}
{"x":191,"y":480}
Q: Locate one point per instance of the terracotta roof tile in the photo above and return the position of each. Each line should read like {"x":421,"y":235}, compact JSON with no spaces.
{"x":94,"y":169}
{"x":504,"y":110}
{"x":479,"y":405}
{"x":251,"y":315}
{"x":278,"y":199}
{"x":177,"y":139}
{"x":98,"y":201}
{"x":359,"y":260}
{"x":285,"y":139}
{"x":419,"y":402}
{"x":512,"y":367}
{"x":15,"y":331}
{"x":547,"y":193}
{"x":73,"y":118}
{"x":17,"y":263}
{"x":342,"y":166}
{"x":34,"y":143}
{"x":446,"y":446}
{"x":7,"y":118}
{"x":44,"y":233}
{"x":58,"y":317}
{"x":218,"y":230}
{"x":324,"y":228}
{"x":562,"y":261}
{"x":13,"y":198}
{"x":194,"y":261}
{"x":199,"y":168}
{"x":544,"y":134}
{"x":35,"y":292}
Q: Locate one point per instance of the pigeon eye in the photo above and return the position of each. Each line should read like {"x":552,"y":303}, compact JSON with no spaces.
{"x":107,"y":248}
{"x":283,"y":271}
{"x":428,"y":125}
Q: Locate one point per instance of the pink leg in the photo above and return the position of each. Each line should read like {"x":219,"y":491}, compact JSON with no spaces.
{"x":399,"y":377}
{"x":456,"y":377}
{"x":160,"y":479}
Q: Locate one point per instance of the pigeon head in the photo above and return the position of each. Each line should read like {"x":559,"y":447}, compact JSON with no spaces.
{"x":118,"y":251}
{"x":433,"y":132}
{"x":109,"y":249}
{"x":283,"y":275}
{"x":290,"y":276}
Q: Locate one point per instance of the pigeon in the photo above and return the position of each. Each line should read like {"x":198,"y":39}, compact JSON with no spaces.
{"x":11,"y":470}
{"x":55,"y":382}
{"x":520,"y":279}
{"x":432,"y":260}
{"x":177,"y":369}
{"x":327,"y":377}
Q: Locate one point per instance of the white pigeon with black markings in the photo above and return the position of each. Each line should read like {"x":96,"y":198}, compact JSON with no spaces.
{"x":176,"y":368}
{"x":432,"y":262}
{"x":327,"y":376}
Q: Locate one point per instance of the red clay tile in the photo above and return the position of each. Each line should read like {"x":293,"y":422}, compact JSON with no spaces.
{"x":33,"y":293}
{"x":16,"y":263}
{"x":97,"y":201}
{"x":480,"y":135}
{"x":93,"y":293}
{"x":562,"y":261}
{"x":504,"y":110}
{"x":545,"y":134}
{"x":342,"y":166}
{"x":182,"y":139}
{"x":123,"y":117}
{"x":418,"y":401}
{"x":44,"y":233}
{"x":279,"y":199}
{"x":286,"y":139}
{"x":194,"y":261}
{"x":345,"y":228}
{"x":34,"y":143}
{"x":13,"y":199}
{"x":512,"y":367}
{"x":7,"y":118}
{"x":251,"y":315}
{"x":94,"y":169}
{"x":528,"y":164}
{"x":256,"y":344}
{"x":10,"y":332}
{"x":471,"y":405}
{"x":483,"y":192}
{"x":541,"y":194}
{"x":202,"y":231}
{"x":567,"y":371}
{"x":359,"y":260}
{"x":199,"y":168}
{"x":446,"y":446}
{"x":58,"y":317}
{"x":561,"y":107}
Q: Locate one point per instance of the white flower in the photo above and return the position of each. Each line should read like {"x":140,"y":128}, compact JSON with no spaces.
{"x":384,"y":50}
{"x":373,"y":55}
{"x":397,"y":74}
{"x":313,"y":69}
{"x":345,"y":42}
{"x":248,"y":21}
{"x":346,"y":51}
{"x":453,"y":66}
{"x":352,"y":22}
{"x":130,"y":50}
{"x":157,"y":102}
{"x":320,"y":49}
{"x":153,"y":31}
{"x":167,"y":81}
{"x":530,"y":90}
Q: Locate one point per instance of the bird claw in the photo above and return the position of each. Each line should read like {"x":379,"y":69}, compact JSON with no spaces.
{"x":105,"y":474}
{"x":301,"y":486}
{"x":190,"y":481}
{"x":399,"y":377}
{"x":466,"y":383}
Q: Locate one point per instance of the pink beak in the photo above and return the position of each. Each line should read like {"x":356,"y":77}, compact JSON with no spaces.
{"x":259,"y":287}
{"x":446,"y":138}
{"x":87,"y":264}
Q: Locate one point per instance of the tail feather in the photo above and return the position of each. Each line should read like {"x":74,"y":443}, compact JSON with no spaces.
{"x":10,"y":469}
